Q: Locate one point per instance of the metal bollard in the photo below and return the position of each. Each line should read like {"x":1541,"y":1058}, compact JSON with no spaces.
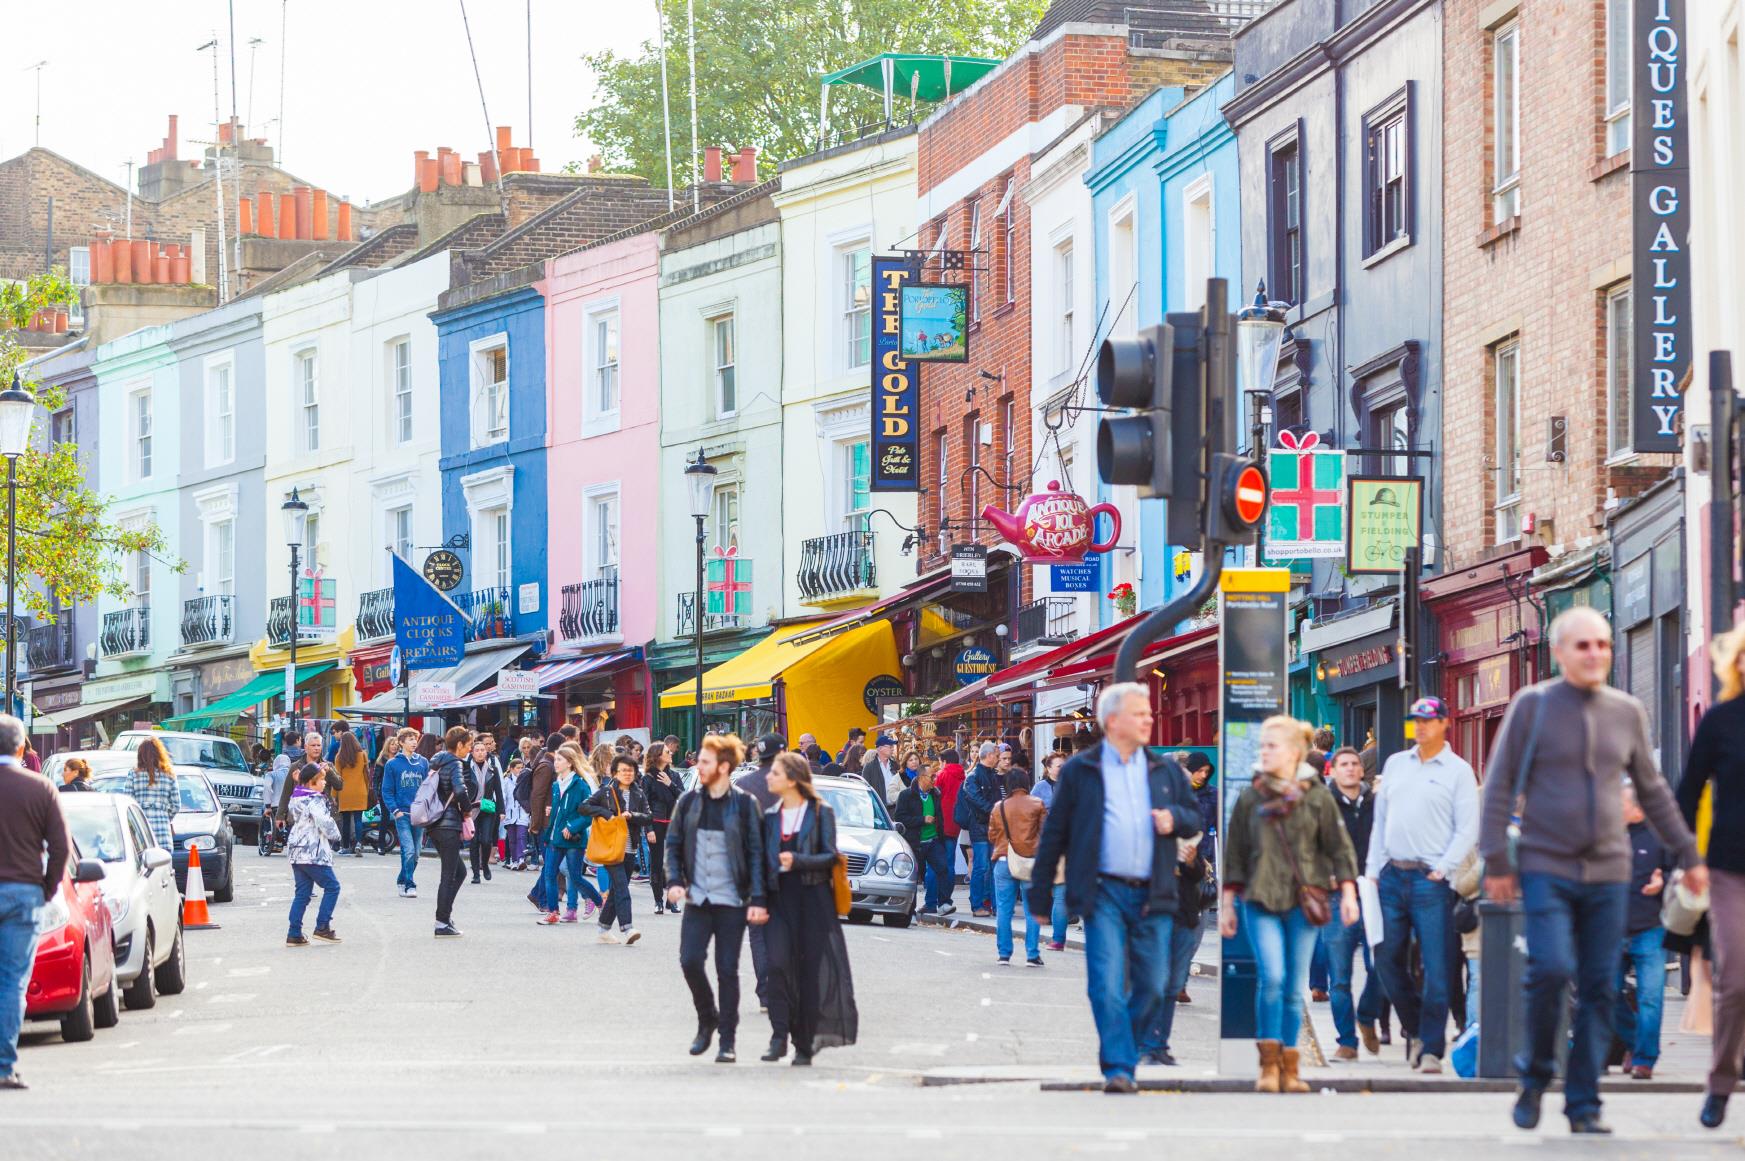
{"x":1502,"y":966}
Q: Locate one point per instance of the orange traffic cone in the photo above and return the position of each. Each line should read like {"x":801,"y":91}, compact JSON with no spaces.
{"x":194,"y":913}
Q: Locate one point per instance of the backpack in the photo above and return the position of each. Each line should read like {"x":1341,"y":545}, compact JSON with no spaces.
{"x":524,"y":789}
{"x":425,"y":807}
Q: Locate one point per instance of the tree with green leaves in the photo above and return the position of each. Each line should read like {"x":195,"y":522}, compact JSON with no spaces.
{"x":758,"y":65}
{"x":66,"y":543}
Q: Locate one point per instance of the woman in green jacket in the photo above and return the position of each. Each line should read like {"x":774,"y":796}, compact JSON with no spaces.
{"x":1284,"y":841}
{"x":566,"y":839}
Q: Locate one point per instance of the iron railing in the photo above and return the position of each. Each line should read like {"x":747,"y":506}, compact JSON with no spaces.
{"x":1046,"y":620}
{"x":836,"y":565}
{"x":209,"y":620}
{"x":50,"y":647}
{"x":590,"y":609}
{"x":687,"y":620}
{"x":492,"y":612}
{"x":126,"y":632}
{"x":375,"y":615}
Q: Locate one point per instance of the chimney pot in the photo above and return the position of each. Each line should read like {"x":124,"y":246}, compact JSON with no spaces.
{"x":160,"y":265}
{"x":244,"y":216}
{"x":505,"y":138}
{"x":143,"y":267}
{"x":263,"y":213}
{"x":531,"y":161}
{"x":488,"y":167}
{"x":302,"y":201}
{"x":170,"y":141}
{"x":450,"y":170}
{"x":287,"y":216}
{"x":121,"y":260}
{"x":427,"y":175}
{"x":344,"y":232}
{"x":712,"y":163}
{"x":102,"y":260}
{"x":318,"y":215}
{"x":745,"y":166}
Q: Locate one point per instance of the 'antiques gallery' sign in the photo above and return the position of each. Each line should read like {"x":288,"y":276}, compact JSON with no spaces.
{"x":1660,"y":216}
{"x":896,"y":386}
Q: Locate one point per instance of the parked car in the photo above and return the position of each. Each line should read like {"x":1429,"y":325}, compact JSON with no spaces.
{"x":101,"y":762}
{"x":139,"y":888}
{"x":881,"y":866}
{"x":239,"y":789}
{"x":73,"y":977}
{"x":198,"y":821}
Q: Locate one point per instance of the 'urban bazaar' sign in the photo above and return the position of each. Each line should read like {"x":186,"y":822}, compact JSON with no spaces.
{"x":1660,"y":217}
{"x":896,"y":386}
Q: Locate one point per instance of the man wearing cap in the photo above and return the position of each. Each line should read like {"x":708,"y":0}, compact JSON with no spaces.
{"x":1426,"y":820}
{"x":881,"y":772}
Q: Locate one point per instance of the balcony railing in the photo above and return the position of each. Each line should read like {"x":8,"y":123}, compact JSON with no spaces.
{"x":836,"y":565}
{"x":375,"y":615}
{"x":687,"y":622}
{"x":208,"y":621}
{"x":590,"y":609}
{"x":51,"y":646}
{"x":1046,"y":621}
{"x":492,"y":612}
{"x":126,"y":632}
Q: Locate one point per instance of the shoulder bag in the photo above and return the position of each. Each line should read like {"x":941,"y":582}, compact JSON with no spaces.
{"x":1017,"y":865}
{"x":608,"y":837}
{"x":1517,"y":799}
{"x":1315,"y":902}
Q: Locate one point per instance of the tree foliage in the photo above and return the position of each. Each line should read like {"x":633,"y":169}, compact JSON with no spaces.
{"x":758,"y":65}
{"x":66,"y":542}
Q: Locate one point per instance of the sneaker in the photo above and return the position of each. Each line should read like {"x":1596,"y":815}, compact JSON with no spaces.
{"x":13,"y":1080}
{"x":1160,"y":1057}
{"x":981,"y":913}
{"x":549,"y":919}
{"x":1120,"y":1083}
{"x":1430,"y":1064}
{"x":1056,"y":945}
{"x":947,"y":908}
{"x":1344,"y":1054}
{"x":607,"y":935}
{"x":296,"y":941}
{"x":327,"y":935}
{"x":411,"y":892}
{"x":570,"y":917}
{"x":928,"y":911}
{"x":1035,"y":961}
{"x":403,"y":891}
{"x":1005,"y":961}
{"x":447,"y":930}
{"x":589,"y":907}
{"x":630,"y":935}
{"x":1414,"y":1052}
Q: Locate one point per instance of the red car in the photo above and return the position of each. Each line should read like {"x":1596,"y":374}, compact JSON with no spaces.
{"x":73,"y":979}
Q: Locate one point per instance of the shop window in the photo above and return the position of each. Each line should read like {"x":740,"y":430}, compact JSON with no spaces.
{"x":1286,"y":260}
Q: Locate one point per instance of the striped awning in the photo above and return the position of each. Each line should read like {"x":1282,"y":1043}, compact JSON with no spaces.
{"x":551,"y":674}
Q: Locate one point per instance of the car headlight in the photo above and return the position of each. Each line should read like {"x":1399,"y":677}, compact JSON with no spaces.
{"x":903,"y":867}
{"x":117,"y":905}
{"x":881,"y":867}
{"x":52,"y":916}
{"x":202,"y":842}
{"x":259,"y":794}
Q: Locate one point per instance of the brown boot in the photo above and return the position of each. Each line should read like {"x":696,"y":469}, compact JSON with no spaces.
{"x":1268,"y":1081}
{"x":1288,"y":1081}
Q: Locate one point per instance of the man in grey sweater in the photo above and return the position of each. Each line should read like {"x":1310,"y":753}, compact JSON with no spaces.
{"x":1564,"y":749}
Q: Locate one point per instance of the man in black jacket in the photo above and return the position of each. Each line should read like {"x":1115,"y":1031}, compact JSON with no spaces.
{"x":1116,"y":817}
{"x":714,"y":863}
{"x":1356,"y":804}
{"x":918,"y":812}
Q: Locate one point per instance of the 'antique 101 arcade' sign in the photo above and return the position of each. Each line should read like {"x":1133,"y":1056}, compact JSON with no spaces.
{"x":1660,"y":216}
{"x":896,"y":386}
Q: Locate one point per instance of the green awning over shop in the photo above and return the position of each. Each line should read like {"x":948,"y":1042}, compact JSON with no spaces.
{"x":264,"y":686}
{"x":928,"y":78}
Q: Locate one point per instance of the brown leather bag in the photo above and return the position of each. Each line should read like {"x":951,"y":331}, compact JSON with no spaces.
{"x":1315,"y":902}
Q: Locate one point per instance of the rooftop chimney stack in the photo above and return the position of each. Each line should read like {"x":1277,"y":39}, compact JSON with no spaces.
{"x":712,"y":163}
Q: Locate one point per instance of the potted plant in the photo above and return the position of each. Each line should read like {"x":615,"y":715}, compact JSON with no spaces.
{"x":1125,"y":598}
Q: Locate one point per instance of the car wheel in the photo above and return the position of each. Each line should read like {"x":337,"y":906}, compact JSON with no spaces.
{"x":172,"y":977}
{"x":81,"y":1023}
{"x":856,"y":915}
{"x":142,"y":992}
{"x":906,"y":917}
{"x":107,"y":1007}
{"x":227,"y":892}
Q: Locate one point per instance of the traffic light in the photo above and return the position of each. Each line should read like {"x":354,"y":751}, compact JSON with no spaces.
{"x":1136,"y":373}
{"x":1236,"y":499}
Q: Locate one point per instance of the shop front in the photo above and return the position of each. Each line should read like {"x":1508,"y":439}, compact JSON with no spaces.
{"x":1488,"y":630}
{"x":49,"y":700}
{"x":1355,"y":658}
{"x":372,"y":669}
{"x":109,"y":705}
{"x":1648,"y":625}
{"x":429,"y":698}
{"x":599,"y":693}
{"x":318,"y":700}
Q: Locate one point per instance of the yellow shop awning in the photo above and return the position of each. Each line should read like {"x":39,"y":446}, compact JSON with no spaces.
{"x":752,"y":675}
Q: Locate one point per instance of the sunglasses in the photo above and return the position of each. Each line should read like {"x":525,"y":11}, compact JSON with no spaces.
{"x":1592,"y":645}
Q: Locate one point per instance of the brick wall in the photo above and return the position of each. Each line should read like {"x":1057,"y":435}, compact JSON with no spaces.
{"x":1539,"y":279}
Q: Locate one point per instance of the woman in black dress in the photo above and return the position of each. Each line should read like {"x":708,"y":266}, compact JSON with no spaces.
{"x":811,"y":991}
{"x":661,"y":787}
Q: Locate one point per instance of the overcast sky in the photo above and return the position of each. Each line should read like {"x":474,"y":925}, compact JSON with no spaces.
{"x":367,"y":82}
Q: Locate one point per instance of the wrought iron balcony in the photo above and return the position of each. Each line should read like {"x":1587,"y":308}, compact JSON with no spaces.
{"x":208,"y":621}
{"x":492,"y":612}
{"x":835,"y":566}
{"x":1046,"y":621}
{"x":687,"y":621}
{"x":126,"y":632}
{"x":50,"y":647}
{"x":590,"y":609}
{"x":375,"y":615}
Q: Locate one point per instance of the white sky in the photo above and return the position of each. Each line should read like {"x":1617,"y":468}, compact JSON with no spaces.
{"x":367,"y":81}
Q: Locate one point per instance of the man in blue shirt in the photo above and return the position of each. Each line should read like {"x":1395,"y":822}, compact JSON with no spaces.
{"x":1116,"y":816}
{"x":981,"y":792}
{"x":401,"y":779}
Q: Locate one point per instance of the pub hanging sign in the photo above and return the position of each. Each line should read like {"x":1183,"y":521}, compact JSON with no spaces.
{"x":896,"y":386}
{"x":1660,"y":221}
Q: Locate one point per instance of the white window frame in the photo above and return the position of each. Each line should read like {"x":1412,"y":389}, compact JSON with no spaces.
{"x":1619,"y":415}
{"x":842,"y":277}
{"x":391,"y":520}
{"x":1506,"y":182}
{"x":1065,"y":321}
{"x":306,"y":398}
{"x":140,"y":429}
{"x":1506,"y":454}
{"x":503,"y":542}
{"x":218,"y":577}
{"x":220,"y":446}
{"x":597,"y":420}
{"x":942,"y":452}
{"x":403,"y":419}
{"x":480,"y":390}
{"x":595,"y":562}
{"x":721,"y":371}
{"x":486,"y":493}
{"x":1199,"y":255}
{"x":729,"y":501}
{"x":1007,"y":216}
{"x":1618,"y":76}
{"x":976,"y":265}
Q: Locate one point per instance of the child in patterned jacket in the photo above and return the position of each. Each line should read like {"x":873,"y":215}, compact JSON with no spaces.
{"x":310,"y":846}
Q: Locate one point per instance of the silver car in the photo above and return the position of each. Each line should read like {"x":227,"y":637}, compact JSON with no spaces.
{"x":881,"y":865}
{"x":240,"y":790}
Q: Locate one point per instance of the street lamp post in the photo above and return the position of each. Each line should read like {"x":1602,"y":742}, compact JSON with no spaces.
{"x":16,"y":407}
{"x":700,"y":479}
{"x":296,"y":514}
{"x":1260,"y":332}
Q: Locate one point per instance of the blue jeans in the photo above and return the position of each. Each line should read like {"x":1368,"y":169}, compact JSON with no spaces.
{"x":411,"y":838}
{"x":1640,"y":1030}
{"x":1057,"y":916}
{"x":1574,"y":931}
{"x":309,"y":876}
{"x":1340,"y":943}
{"x":935,"y":857}
{"x":1006,"y":897}
{"x":1318,"y":978}
{"x":1126,"y":967}
{"x":1413,"y":903}
{"x":1284,"y":943}
{"x":1184,"y":940}
{"x":18,"y":906}
{"x":575,"y":872}
{"x":981,"y":876}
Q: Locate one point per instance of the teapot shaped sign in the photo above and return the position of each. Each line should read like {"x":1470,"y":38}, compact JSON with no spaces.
{"x":1054,"y":527}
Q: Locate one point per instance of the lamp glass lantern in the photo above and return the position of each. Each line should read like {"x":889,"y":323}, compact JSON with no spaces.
{"x":1260,"y":333}
{"x":296,"y":515}
{"x":700,"y":479}
{"x":17,"y":406}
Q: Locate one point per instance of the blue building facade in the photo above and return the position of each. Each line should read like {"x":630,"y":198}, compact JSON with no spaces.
{"x":491,"y":344}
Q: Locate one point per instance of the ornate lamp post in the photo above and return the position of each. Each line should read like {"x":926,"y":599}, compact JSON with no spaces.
{"x":16,"y":408}
{"x":700,"y":481}
{"x":296,"y":515}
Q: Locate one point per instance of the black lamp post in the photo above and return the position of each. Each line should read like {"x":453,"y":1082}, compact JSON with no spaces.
{"x":1260,"y":332}
{"x":16,"y":408}
{"x":296,"y":515}
{"x":700,"y":479}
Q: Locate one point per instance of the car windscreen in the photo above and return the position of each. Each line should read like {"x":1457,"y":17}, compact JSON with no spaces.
{"x":211,"y":753}
{"x":97,"y":829}
{"x":856,"y":806}
{"x":193,"y":793}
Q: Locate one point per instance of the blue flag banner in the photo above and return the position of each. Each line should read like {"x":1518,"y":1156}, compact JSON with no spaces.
{"x":429,"y":629}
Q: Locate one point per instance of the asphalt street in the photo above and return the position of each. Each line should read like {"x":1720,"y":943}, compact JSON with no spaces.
{"x":547,"y":1043}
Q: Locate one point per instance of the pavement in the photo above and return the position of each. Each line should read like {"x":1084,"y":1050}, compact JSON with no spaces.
{"x":545,"y":1043}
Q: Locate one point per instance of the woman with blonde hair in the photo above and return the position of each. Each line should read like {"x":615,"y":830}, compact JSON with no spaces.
{"x":152,"y":784}
{"x":1712,"y":797}
{"x":1284,"y":850}
{"x":566,"y":839}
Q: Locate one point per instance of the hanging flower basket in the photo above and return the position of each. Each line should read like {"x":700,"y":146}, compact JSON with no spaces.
{"x":1126,"y":600}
